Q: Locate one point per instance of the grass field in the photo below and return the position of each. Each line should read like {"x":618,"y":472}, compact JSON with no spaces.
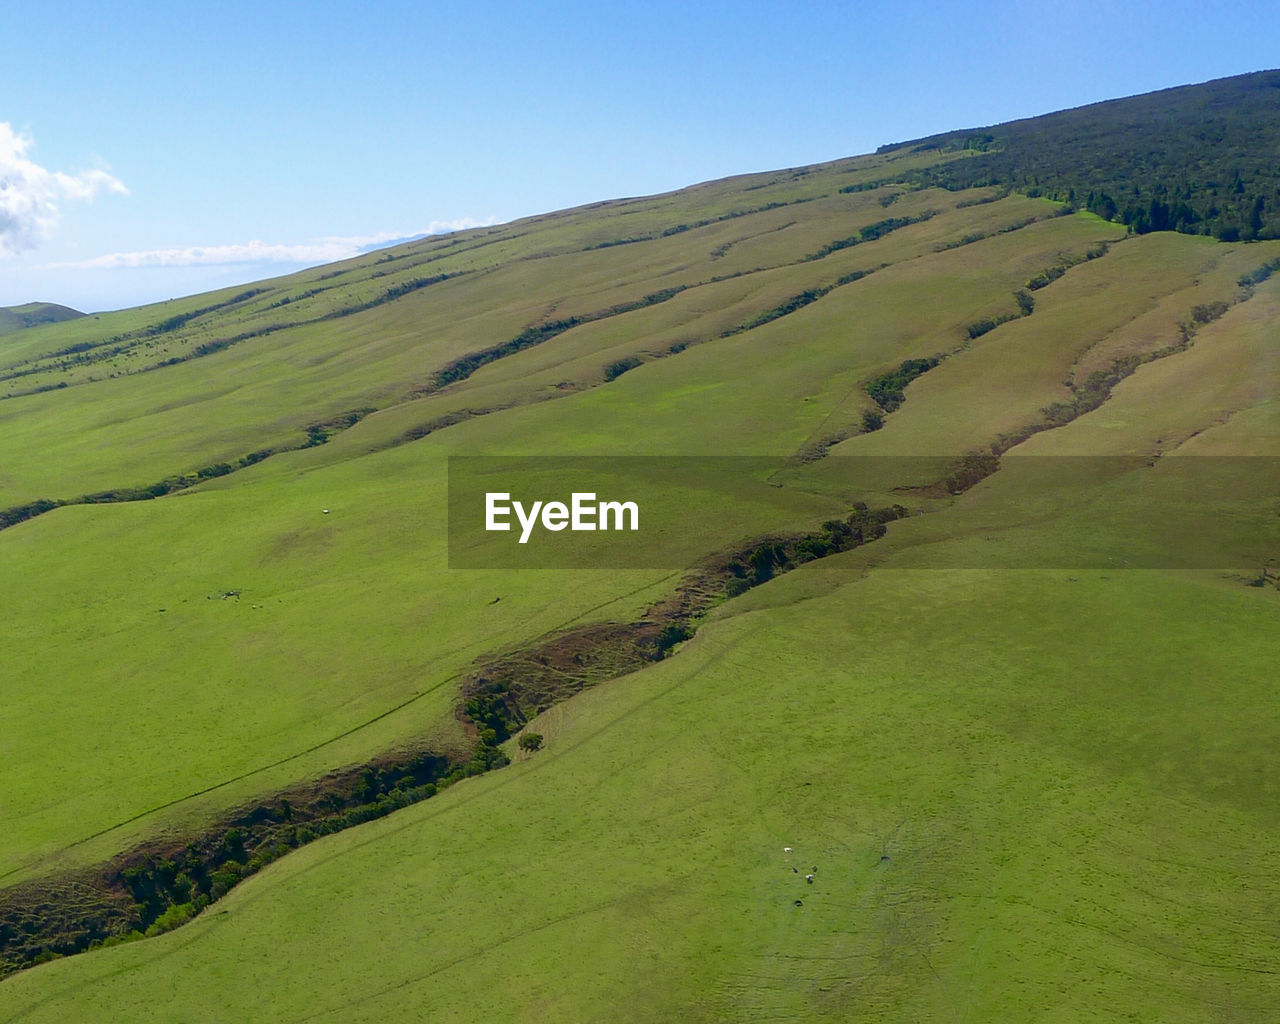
{"x":1023,"y":794}
{"x":1015,"y":804}
{"x":340,"y":618}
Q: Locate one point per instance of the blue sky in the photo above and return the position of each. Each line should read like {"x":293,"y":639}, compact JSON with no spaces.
{"x":150,"y":150}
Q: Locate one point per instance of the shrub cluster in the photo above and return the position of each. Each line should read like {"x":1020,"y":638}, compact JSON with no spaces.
{"x":154,"y":892}
{"x":766,"y":560}
{"x":870,"y":233}
{"x":980,"y":327}
{"x":620,"y":366}
{"x":465,"y":366}
{"x":1259,"y":275}
{"x":889,"y":389}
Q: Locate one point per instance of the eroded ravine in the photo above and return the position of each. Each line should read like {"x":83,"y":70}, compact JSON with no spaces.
{"x":161,"y":884}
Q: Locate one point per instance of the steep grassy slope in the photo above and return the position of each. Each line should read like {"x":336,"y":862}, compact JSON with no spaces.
{"x":362,"y":598}
{"x":1022,"y":793}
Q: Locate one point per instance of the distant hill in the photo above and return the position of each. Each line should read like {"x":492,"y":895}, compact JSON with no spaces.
{"x":1200,"y":159}
{"x":15,"y":318}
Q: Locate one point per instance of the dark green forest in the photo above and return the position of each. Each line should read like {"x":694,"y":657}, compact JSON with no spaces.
{"x":1200,"y":159}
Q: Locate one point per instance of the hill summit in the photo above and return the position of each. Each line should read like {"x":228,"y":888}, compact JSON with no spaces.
{"x":32,"y":314}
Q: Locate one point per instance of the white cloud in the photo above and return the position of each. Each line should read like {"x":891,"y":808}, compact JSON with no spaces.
{"x":320,"y":250}
{"x":30,"y":195}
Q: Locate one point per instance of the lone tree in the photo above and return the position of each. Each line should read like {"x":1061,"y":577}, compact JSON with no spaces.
{"x":531,"y":741}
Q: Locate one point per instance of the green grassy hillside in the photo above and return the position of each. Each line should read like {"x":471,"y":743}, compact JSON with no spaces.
{"x":1024,"y":744}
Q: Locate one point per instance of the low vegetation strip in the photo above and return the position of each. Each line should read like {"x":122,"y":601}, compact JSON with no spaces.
{"x":463,"y":367}
{"x":978,"y":236}
{"x":317,"y":434}
{"x":21,"y":513}
{"x":677,"y":229}
{"x":868,"y":186}
{"x":795,"y":302}
{"x":161,"y":885}
{"x":86,"y":354}
{"x":888,"y":390}
{"x":1097,"y":387}
{"x":870,"y":233}
{"x":388,"y":295}
{"x":1065,"y":263}
{"x":1256,"y":277}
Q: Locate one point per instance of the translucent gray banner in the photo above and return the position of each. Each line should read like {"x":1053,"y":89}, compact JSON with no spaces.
{"x":956,"y":511}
